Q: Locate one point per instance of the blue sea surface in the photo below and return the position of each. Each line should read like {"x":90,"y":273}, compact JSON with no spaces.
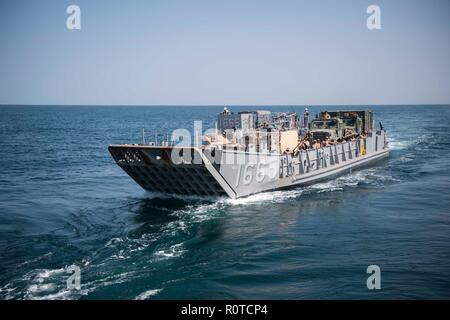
{"x":63,"y":202}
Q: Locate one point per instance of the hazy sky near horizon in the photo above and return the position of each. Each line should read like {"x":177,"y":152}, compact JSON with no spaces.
{"x":224,"y":52}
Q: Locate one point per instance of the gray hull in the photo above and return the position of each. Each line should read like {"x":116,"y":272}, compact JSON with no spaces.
{"x":234,"y":173}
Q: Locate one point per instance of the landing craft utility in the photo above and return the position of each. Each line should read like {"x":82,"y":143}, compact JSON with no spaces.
{"x":256,"y":151}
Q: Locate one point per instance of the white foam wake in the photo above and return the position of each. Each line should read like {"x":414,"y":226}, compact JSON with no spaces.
{"x":147,"y":294}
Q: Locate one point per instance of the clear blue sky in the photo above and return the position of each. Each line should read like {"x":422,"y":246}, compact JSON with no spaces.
{"x":224,"y":52}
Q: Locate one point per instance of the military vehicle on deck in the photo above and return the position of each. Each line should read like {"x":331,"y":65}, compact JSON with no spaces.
{"x":340,"y":124}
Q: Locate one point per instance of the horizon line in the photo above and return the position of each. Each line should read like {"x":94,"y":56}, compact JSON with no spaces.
{"x":217,"y":105}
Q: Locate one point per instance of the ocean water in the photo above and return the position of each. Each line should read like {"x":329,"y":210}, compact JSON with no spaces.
{"x":63,"y":201}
